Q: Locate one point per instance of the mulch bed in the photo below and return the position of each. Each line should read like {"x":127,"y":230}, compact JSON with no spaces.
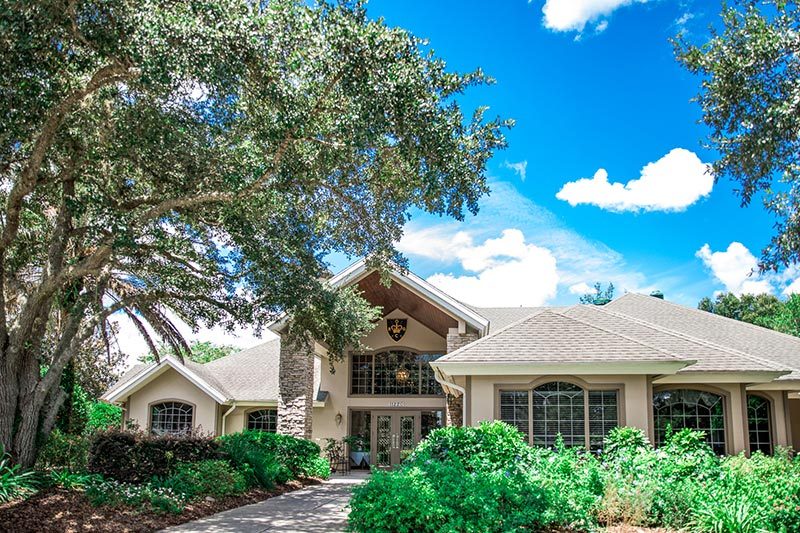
{"x":69,"y":511}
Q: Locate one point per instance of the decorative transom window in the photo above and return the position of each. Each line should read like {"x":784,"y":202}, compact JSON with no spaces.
{"x":171,"y":418}
{"x":263,"y":420}
{"x":694,"y":409}
{"x":758,"y":424}
{"x":393,"y":373}
{"x":580,"y":416}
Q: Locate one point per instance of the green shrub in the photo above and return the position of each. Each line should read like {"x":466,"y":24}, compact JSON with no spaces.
{"x":70,"y":480}
{"x":257,"y":462}
{"x":625,"y":442}
{"x":147,"y":496}
{"x":14,"y":481}
{"x":300,"y":456}
{"x":138,"y":457}
{"x":103,"y":416}
{"x":319,"y":467}
{"x":212,"y":477}
{"x":62,"y":450}
{"x":458,"y":479}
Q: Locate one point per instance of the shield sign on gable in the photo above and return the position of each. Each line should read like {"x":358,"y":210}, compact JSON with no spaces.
{"x":396,"y":327}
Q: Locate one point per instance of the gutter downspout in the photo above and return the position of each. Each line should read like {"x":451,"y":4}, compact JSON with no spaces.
{"x":439,"y":375}
{"x":225,"y":415}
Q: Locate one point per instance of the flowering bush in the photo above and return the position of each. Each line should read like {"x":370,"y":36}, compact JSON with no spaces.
{"x":114,"y":493}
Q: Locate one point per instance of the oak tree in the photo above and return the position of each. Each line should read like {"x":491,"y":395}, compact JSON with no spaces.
{"x":198,"y":160}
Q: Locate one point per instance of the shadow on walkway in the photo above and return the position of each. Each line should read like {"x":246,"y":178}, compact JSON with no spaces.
{"x":319,"y":508}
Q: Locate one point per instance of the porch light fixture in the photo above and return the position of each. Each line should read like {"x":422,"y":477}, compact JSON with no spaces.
{"x":338,"y":419}
{"x":401,"y":375}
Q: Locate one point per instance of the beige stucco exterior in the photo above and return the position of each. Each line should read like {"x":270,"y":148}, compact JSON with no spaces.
{"x":170,"y":385}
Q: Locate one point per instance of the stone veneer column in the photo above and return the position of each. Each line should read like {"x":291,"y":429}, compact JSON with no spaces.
{"x":454,"y":408}
{"x":296,"y":389}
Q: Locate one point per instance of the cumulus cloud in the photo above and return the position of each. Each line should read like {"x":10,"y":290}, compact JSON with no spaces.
{"x":581,"y":288}
{"x":504,"y":271}
{"x":574,"y":15}
{"x":736,"y":268}
{"x":445,"y":247}
{"x":672,"y":183}
{"x":520,"y":168}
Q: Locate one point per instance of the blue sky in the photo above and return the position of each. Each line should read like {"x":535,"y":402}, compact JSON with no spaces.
{"x":608,"y":96}
{"x":594,"y":85}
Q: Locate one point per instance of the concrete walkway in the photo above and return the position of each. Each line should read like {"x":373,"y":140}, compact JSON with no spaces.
{"x":317,"y":508}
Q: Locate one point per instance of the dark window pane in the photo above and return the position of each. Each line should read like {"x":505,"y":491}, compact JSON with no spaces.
{"x":558,"y":408}
{"x":514,"y":410}
{"x":263,"y":420}
{"x":603,"y":417}
{"x":431,"y":420}
{"x":171,"y":418}
{"x":686,"y":408}
{"x":758,"y":423}
{"x":394,"y":373}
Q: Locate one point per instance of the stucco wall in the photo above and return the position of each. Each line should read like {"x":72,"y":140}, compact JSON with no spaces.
{"x":172,"y":386}
{"x":794,"y":421}
{"x":417,"y":337}
{"x":636,"y":404}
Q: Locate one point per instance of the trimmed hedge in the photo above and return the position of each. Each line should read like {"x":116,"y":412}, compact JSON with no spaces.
{"x":138,"y":457}
{"x":300,"y":456}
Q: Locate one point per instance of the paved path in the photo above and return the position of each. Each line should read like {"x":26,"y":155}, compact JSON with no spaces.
{"x":317,"y":508}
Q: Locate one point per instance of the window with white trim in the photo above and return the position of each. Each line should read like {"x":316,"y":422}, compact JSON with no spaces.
{"x":263,"y":420}
{"x":758,"y":424}
{"x":171,"y":418}
{"x":579,"y":415}
{"x":676,"y":409}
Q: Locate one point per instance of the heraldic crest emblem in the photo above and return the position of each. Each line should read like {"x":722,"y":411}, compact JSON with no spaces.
{"x":396,"y":327}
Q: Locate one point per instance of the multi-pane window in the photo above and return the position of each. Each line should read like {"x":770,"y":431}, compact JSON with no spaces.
{"x":393,"y":373}
{"x":263,"y":420}
{"x":558,"y":408}
{"x":603,"y":416}
{"x":171,"y":418}
{"x":515,"y":409}
{"x":758,"y":424}
{"x":694,"y":409}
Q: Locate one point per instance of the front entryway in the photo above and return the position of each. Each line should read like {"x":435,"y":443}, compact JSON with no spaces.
{"x":395,"y":434}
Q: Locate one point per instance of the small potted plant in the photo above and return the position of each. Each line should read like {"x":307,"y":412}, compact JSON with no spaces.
{"x":359,"y":449}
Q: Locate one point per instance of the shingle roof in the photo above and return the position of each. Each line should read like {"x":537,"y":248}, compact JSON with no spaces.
{"x":757,"y":342}
{"x":500,"y":317}
{"x":709,"y":357}
{"x":249,"y":375}
{"x":554,"y":336}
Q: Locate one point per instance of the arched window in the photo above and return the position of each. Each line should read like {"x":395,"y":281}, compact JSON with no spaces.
{"x":758,"y":424}
{"x":171,"y":418}
{"x":263,"y":420}
{"x":694,"y":409}
{"x":558,"y":407}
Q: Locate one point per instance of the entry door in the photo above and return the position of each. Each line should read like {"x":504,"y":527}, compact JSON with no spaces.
{"x":394,"y":436}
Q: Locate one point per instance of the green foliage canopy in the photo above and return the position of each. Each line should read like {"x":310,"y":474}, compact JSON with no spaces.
{"x":751,"y":79}
{"x":199,"y":160}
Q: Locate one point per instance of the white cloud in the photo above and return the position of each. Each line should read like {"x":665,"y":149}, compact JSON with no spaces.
{"x":448,"y":247}
{"x":573,"y":15}
{"x":520,"y":167}
{"x":581,"y":288}
{"x":792,"y":288}
{"x":736,"y":268}
{"x":508,"y":272}
{"x":672,"y":183}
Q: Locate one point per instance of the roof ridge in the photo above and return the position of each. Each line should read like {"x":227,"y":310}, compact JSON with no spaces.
{"x":491,"y":335}
{"x":621,"y":335}
{"x":775,"y":364}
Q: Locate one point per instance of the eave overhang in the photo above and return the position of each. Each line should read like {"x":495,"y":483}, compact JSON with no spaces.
{"x":459,"y":368}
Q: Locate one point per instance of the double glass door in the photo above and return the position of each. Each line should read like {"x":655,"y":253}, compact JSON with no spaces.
{"x":394,"y":436}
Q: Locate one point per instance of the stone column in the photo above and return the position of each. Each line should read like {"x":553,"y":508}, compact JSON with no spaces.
{"x":296,"y":389}
{"x":454,"y":408}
